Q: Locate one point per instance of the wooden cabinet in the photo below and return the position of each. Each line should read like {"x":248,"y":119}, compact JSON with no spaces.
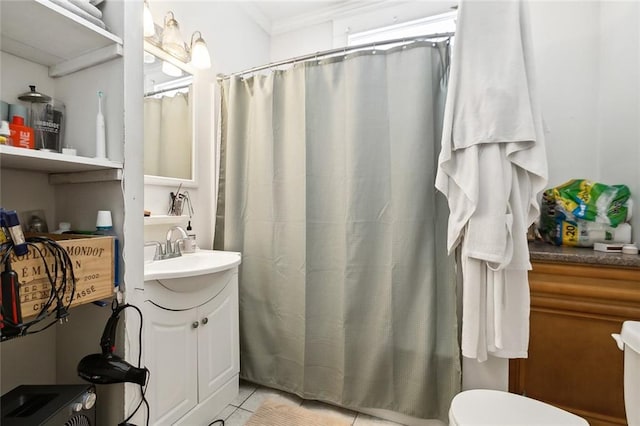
{"x":192,"y":350}
{"x":573,"y":362}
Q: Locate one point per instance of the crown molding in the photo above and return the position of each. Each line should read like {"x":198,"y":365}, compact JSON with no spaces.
{"x":341,"y":10}
{"x":258,"y":17}
{"x":328,"y":13}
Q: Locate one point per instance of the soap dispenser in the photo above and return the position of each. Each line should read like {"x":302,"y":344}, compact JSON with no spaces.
{"x":190,"y":232}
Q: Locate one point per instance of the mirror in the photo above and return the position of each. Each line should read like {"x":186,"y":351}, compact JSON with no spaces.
{"x":169,"y":125}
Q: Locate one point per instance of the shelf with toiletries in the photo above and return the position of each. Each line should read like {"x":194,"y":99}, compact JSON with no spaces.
{"x":51,"y":162}
{"x":70,"y":42}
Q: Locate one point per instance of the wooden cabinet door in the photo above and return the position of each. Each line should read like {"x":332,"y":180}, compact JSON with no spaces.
{"x":573,"y":362}
{"x":171,"y":357}
{"x":218,"y":341}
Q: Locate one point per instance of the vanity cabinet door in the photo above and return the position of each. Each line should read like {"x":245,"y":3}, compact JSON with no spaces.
{"x":573,"y":362}
{"x":218,"y":341}
{"x":171,"y":356}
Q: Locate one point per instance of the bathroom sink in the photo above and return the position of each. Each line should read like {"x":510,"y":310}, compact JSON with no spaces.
{"x":202,"y":262}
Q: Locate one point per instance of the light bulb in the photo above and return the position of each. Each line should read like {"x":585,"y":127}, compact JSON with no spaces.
{"x":200,"y":58}
{"x":149,"y":27}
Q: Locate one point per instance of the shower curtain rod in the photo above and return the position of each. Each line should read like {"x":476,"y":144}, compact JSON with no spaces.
{"x":331,"y":52}
{"x":170,"y":89}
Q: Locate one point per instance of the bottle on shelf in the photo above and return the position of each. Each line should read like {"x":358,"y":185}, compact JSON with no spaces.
{"x":5,"y":133}
{"x":104,"y":226}
{"x":21,"y":135}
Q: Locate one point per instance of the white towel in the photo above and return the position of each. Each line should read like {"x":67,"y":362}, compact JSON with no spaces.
{"x":77,"y":11}
{"x":88,"y":7}
{"x":491,"y":167}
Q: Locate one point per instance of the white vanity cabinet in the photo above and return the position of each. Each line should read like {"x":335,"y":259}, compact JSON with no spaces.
{"x":191,"y":349}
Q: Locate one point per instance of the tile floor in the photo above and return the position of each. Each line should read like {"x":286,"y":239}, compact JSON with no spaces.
{"x":251,"y":396}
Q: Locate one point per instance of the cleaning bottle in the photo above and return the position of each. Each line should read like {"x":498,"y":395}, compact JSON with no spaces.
{"x":101,"y":143}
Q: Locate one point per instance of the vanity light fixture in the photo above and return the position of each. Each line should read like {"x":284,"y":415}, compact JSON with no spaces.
{"x":172,"y":39}
{"x":148,"y":25}
{"x":200,"y":58}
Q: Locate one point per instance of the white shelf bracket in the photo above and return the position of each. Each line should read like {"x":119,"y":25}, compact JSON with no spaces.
{"x":87,"y":60}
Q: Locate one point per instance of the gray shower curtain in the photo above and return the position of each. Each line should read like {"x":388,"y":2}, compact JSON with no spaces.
{"x":346,"y":292}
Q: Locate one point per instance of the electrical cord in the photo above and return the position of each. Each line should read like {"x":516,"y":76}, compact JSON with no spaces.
{"x":58,"y":274}
{"x":217,"y":421}
{"x":143,"y":389}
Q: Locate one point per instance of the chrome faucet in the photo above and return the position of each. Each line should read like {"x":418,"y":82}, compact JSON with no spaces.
{"x":159,"y":254}
{"x":172,"y":247}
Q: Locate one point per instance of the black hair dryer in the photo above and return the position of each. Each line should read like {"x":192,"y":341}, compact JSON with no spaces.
{"x":107,"y":368}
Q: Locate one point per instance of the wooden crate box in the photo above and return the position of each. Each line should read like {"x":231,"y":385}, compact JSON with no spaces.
{"x":93,"y":260}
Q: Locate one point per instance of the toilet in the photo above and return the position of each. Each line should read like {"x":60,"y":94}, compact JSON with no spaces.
{"x":496,"y":408}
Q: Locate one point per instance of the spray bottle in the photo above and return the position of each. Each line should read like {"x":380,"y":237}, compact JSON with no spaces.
{"x":101,"y":145}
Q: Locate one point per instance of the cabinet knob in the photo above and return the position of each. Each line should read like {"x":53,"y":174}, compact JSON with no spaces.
{"x":205,"y":320}
{"x":195,"y":324}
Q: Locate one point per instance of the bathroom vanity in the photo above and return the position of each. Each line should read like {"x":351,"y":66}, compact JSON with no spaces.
{"x":191,"y":336}
{"x":578,"y":299}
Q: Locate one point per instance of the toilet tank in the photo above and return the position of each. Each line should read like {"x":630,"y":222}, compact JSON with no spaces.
{"x":630,"y":337}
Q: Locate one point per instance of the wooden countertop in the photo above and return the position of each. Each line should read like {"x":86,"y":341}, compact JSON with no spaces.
{"x":543,"y":252}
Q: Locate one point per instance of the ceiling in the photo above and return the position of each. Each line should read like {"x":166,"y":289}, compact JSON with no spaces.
{"x":282,"y":10}
{"x":281,"y":16}
{"x":277,"y":17}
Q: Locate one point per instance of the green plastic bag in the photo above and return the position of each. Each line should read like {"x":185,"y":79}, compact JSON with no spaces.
{"x":594,"y":202}
{"x":577,"y":211}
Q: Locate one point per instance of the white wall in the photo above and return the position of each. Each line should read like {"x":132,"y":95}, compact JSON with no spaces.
{"x":618,"y":152}
{"x":587,"y":57}
{"x":235,"y":42}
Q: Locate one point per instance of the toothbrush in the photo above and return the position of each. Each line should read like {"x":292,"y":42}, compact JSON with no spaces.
{"x":101,"y":148}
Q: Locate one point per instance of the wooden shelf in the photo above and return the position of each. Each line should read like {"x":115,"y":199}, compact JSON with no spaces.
{"x":12,"y":157}
{"x":45,"y":33}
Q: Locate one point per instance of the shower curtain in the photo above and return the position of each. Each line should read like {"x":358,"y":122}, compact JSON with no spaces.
{"x":327,"y":188}
{"x":167,"y":136}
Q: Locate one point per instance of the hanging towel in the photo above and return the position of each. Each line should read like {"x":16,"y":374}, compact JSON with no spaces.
{"x":491,"y":167}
